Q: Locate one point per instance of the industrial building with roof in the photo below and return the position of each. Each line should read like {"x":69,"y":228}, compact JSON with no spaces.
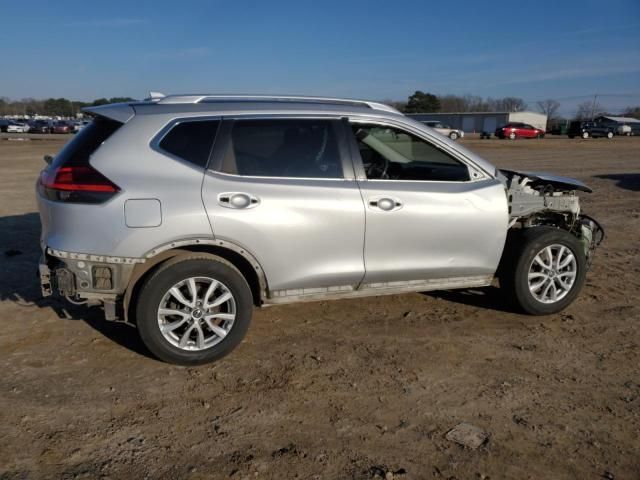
{"x":478,"y":122}
{"x":633,"y":124}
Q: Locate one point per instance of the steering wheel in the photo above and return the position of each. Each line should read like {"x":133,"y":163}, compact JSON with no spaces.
{"x":378,"y":169}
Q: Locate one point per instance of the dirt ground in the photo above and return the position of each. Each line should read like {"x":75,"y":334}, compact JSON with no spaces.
{"x":349,"y":389}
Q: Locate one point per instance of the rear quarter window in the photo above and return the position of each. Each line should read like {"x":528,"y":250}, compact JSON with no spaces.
{"x":191,"y":141}
{"x":85,"y":142}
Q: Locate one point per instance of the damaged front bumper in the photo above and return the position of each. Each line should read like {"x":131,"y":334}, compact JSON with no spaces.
{"x":545,"y":199}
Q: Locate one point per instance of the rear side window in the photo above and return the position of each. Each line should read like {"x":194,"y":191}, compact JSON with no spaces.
{"x":191,"y":141}
{"x":85,"y":142}
{"x":298,"y":148}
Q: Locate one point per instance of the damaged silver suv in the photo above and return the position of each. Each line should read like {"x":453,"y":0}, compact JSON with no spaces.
{"x":179,"y":214}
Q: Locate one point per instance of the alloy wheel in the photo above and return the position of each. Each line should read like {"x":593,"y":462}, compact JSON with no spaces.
{"x":552,"y":273}
{"x":196,"y":313}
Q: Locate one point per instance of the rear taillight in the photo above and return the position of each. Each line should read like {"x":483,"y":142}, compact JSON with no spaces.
{"x":79,"y":184}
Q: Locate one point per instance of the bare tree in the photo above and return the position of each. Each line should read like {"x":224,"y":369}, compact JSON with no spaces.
{"x":510,"y":104}
{"x":588,"y":110}
{"x":549,"y":107}
{"x":453,"y":103}
{"x":633,"y":112}
{"x":475,"y":103}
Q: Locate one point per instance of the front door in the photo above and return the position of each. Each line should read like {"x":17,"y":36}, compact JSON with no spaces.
{"x":284,"y":189}
{"x":425,"y":218}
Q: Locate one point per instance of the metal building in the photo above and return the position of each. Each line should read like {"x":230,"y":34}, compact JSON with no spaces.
{"x":478,"y":122}
{"x":621,"y":125}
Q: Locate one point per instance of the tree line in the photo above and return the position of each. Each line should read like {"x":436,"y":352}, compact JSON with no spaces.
{"x":419,"y":102}
{"x":53,"y":107}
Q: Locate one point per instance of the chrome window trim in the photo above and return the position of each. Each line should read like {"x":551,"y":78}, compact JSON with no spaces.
{"x":476,"y":173}
{"x":255,"y":177}
{"x":215,"y":163}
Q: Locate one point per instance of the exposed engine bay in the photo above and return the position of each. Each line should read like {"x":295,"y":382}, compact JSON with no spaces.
{"x":543,"y":199}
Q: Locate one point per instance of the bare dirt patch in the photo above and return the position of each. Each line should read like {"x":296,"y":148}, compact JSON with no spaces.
{"x":358,"y":389}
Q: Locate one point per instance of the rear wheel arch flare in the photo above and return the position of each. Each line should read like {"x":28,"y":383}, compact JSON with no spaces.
{"x":239,"y":257}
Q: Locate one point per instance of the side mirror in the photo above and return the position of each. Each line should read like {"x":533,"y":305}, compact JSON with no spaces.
{"x":48,"y":159}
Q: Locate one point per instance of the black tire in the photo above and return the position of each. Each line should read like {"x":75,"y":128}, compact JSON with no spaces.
{"x":172,"y":272}
{"x":522,"y":248}
{"x":453,"y":135}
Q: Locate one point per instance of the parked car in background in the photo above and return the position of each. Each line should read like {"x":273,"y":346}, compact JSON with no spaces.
{"x":17,"y":127}
{"x":182,"y":213}
{"x":624,"y":129}
{"x":4,"y":123}
{"x":589,"y":129}
{"x":79,"y":125}
{"x":515,"y":130}
{"x":62,"y":127}
{"x":40,"y":126}
{"x":444,"y":129}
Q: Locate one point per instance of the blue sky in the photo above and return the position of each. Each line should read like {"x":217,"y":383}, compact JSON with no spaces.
{"x":363,"y":49}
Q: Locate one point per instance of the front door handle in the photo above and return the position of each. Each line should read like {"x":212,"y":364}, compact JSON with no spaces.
{"x":386,"y":204}
{"x":238,"y":200}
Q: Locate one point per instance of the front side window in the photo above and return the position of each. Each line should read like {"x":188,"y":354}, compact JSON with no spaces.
{"x":392,"y":154}
{"x":191,"y":141}
{"x":298,"y":148}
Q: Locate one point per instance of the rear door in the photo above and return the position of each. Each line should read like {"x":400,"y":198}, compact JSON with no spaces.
{"x":284,"y":189}
{"x":428,"y":215}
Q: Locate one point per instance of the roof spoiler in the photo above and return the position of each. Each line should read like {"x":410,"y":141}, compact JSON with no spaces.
{"x":120,"y":112}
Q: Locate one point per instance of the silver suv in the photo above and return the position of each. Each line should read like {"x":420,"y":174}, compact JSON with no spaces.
{"x":181,"y":213}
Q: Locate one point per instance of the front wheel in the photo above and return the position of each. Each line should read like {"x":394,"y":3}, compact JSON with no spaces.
{"x":544,"y":271}
{"x":609,"y":135}
{"x":512,"y":136}
{"x":453,"y":135}
{"x":194,"y":310}
{"x":585,"y":134}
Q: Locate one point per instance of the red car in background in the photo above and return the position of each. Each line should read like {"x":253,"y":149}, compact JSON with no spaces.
{"x":62,"y":127}
{"x":515,"y":130}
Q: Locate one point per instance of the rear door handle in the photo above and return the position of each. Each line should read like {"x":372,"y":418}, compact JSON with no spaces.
{"x":387,"y":204}
{"x":238,"y":200}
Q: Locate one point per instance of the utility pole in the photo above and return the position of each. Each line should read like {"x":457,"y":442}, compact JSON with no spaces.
{"x":593,"y":107}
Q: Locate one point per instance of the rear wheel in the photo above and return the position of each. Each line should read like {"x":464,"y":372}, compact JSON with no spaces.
{"x":585,"y":134}
{"x":544,"y":271}
{"x":512,"y":136}
{"x":194,"y":310}
{"x":609,"y":135}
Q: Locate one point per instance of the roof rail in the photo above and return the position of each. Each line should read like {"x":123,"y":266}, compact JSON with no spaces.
{"x":271,"y":98}
{"x":155,"y":96}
